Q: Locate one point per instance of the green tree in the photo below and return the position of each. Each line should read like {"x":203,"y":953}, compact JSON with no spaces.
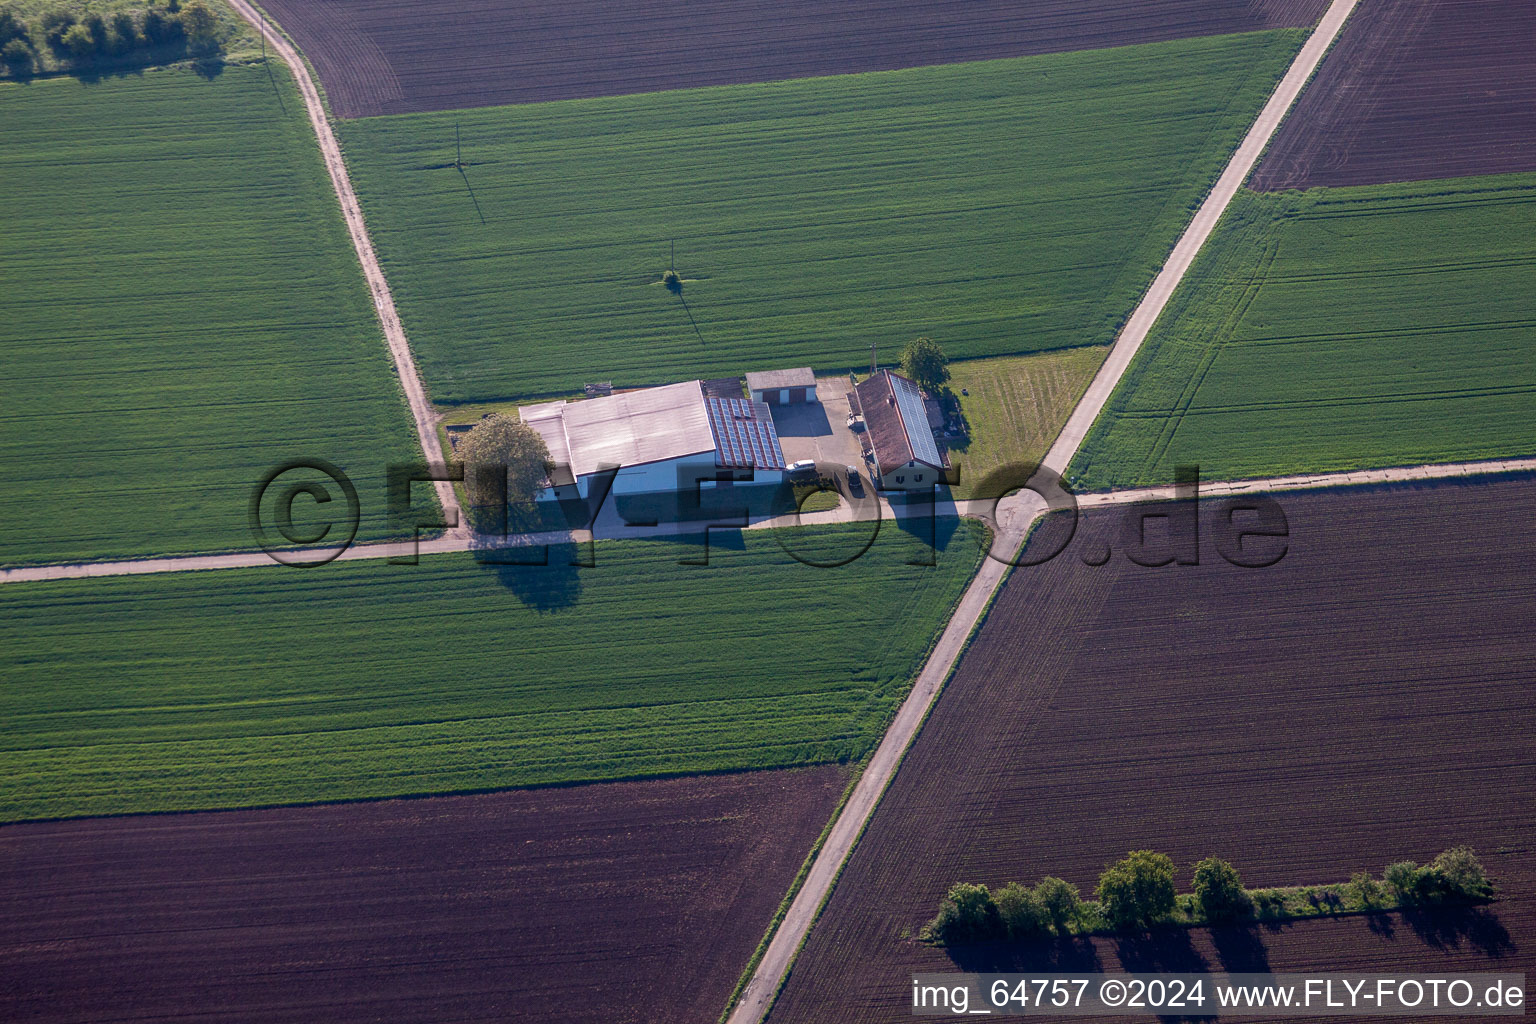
{"x":502,"y":443}
{"x":1219,"y":891}
{"x":1366,"y":889}
{"x":201,"y":26}
{"x":1460,"y":875}
{"x":924,"y":362}
{"x":1022,"y":914}
{"x":78,"y":43}
{"x":968,"y":914}
{"x":1403,"y":878}
{"x":1061,"y":902}
{"x":11,"y":26}
{"x":17,"y":56}
{"x":1138,"y":891}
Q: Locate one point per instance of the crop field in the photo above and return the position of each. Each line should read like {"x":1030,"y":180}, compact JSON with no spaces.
{"x":619,"y":903}
{"x":378,"y":57}
{"x":1365,"y":699}
{"x":1001,"y":207}
{"x":1338,"y":329}
{"x":1415,"y":89}
{"x":201,"y":690}
{"x":181,"y":312}
{"x":1015,"y":408}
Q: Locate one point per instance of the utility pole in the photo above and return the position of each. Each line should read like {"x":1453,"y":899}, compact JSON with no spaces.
{"x":458,"y":152}
{"x":672,"y":260}
{"x":872,"y":363}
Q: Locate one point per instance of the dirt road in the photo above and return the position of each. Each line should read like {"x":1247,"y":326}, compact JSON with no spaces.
{"x":764,"y":985}
{"x":383,"y":302}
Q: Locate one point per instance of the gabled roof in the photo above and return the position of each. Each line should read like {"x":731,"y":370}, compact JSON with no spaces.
{"x":627,"y":429}
{"x":767,"y":380}
{"x":896,"y":423}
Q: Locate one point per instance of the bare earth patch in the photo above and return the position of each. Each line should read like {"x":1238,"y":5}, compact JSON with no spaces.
{"x":1364,"y":700}
{"x":389,"y":57}
{"x":618,"y":902}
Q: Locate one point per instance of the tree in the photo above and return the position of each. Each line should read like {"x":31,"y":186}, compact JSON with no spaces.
{"x":503,"y":444}
{"x":1138,"y":891}
{"x":673,"y":283}
{"x":1219,"y":891}
{"x":968,"y":914}
{"x":78,"y":43}
{"x":1021,"y":912}
{"x":1061,"y":902}
{"x":201,"y":26}
{"x":17,"y":56}
{"x":125,"y":33}
{"x":925,"y":364}
{"x":1459,"y":874}
{"x":1403,"y":878}
{"x":10,"y":26}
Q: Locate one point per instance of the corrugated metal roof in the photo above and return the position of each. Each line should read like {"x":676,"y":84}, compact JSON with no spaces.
{"x":744,"y":434}
{"x":549,"y":420}
{"x":895,"y":422}
{"x":630,"y":429}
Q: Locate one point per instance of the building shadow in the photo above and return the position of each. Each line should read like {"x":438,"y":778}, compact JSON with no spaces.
{"x":807,"y":420}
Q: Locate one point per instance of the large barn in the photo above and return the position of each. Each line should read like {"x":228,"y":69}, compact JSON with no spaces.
{"x":898,"y":434}
{"x":667,"y":440}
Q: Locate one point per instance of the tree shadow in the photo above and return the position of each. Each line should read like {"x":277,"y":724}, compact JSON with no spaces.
{"x":1240,"y":948}
{"x":1065,"y":954}
{"x":542,"y":577}
{"x":1446,"y":928}
{"x":1160,"y":951}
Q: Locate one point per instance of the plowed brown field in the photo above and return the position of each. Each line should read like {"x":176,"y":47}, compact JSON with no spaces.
{"x":630,"y":901}
{"x":1368,"y":698}
{"x":1415,"y":89}
{"x":393,"y":56}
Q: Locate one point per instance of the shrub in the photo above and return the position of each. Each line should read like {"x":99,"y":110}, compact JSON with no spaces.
{"x":968,"y":914}
{"x":1138,"y":891}
{"x":201,"y":26}
{"x":1219,"y":891}
{"x":160,"y":30}
{"x":55,"y":25}
{"x":1059,"y":898}
{"x":673,"y":282}
{"x":1021,"y":912}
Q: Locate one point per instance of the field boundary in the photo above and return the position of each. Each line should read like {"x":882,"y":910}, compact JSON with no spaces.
{"x":383,"y":301}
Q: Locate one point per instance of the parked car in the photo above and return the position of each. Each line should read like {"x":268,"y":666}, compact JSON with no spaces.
{"x":805,"y":467}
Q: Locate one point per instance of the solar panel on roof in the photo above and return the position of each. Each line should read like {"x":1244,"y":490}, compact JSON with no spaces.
{"x":909,"y":402}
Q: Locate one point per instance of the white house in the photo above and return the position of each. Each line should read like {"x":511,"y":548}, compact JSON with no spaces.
{"x":666,"y":440}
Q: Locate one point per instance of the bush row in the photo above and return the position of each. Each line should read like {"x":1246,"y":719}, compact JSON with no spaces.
{"x":175,"y":31}
{"x":1138,"y":892}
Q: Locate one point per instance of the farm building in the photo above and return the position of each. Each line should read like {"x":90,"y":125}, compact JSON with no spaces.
{"x":666,"y":440}
{"x":897,"y":433}
{"x":783,"y":387}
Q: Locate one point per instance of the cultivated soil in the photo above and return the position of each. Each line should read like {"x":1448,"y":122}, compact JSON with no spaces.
{"x":621,"y":902}
{"x":1414,"y":89}
{"x":386,"y":57}
{"x":1365,"y":699}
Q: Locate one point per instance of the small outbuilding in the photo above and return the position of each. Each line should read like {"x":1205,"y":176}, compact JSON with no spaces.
{"x":783,"y":387}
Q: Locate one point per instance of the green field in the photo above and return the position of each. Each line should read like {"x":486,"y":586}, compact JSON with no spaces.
{"x":1001,"y":207}
{"x":181,"y":310}
{"x":363,"y":679}
{"x":1016,"y":407}
{"x":1338,"y":329}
